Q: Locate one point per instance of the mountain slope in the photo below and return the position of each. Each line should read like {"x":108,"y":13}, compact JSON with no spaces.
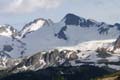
{"x":8,"y":31}
{"x":91,"y":41}
{"x":70,"y":31}
{"x":9,"y":45}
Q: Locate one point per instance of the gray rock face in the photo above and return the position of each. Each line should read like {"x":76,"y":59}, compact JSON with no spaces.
{"x":45,"y":59}
{"x":8,"y":63}
{"x":117,"y":43}
{"x":7,"y":48}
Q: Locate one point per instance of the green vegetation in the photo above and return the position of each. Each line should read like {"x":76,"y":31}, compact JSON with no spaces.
{"x":113,"y":76}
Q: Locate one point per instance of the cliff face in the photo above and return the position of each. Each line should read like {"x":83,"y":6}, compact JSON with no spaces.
{"x":117,"y":43}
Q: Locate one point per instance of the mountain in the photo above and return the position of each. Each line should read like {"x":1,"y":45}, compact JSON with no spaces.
{"x":33,"y":26}
{"x":68,"y":32}
{"x":8,"y":31}
{"x":71,"y":41}
{"x":8,"y":45}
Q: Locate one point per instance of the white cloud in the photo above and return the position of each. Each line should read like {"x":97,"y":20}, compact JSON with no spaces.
{"x":22,"y":6}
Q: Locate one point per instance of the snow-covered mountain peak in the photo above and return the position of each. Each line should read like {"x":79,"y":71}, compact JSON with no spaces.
{"x":117,"y":25}
{"x":72,"y":19}
{"x":7,"y":30}
{"x":33,"y":26}
{"x":36,"y":24}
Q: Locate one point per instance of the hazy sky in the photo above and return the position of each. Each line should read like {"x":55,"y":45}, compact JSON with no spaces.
{"x":19,"y":12}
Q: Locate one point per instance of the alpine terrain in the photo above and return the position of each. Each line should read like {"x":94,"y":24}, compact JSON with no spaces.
{"x":73,"y":41}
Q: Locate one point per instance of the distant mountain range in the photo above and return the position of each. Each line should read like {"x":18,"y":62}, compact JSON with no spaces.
{"x":72,"y":41}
